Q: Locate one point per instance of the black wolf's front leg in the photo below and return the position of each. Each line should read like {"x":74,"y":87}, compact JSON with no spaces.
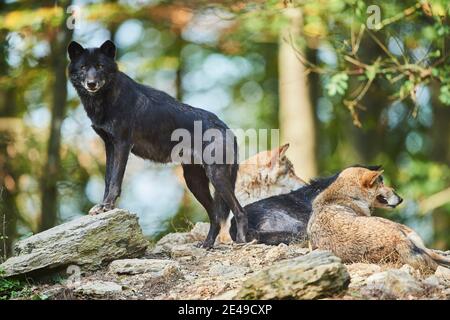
{"x":109,"y":147}
{"x":115,"y":170}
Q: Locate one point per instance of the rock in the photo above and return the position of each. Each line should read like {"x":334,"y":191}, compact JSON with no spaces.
{"x":49,"y":294}
{"x":409,"y":269}
{"x":99,"y":288}
{"x":446,"y":293}
{"x":227,"y":295}
{"x":227,"y":271}
{"x":89,"y":242}
{"x":431,"y":282}
{"x":392,"y":284}
{"x":359,"y":273}
{"x":156,"y":267}
{"x":186,"y":250}
{"x":298,"y":250}
{"x":443,"y":275}
{"x":276,"y":253}
{"x":315,"y":275}
{"x":199,"y":231}
{"x":166,"y":243}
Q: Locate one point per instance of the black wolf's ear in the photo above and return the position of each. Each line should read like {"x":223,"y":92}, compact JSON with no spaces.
{"x":75,"y":50}
{"x":108,"y":48}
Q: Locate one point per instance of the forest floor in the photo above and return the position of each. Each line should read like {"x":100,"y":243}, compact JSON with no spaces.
{"x":181,"y":270}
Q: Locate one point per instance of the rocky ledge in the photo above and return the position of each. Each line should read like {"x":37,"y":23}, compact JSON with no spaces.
{"x":105,"y":257}
{"x":89,"y":242}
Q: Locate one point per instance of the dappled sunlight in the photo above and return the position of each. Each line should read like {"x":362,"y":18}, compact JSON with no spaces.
{"x":371,"y":96}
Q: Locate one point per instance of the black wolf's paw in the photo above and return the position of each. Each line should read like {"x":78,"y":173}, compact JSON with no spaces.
{"x":208,"y":245}
{"x":240,"y":238}
{"x":199,"y":244}
{"x":100,"y":208}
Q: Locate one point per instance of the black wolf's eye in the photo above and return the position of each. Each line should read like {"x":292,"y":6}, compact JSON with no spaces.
{"x":100,"y":66}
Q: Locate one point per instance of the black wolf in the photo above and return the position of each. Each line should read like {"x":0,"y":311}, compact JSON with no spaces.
{"x":131,"y":117}
{"x":284,"y":218}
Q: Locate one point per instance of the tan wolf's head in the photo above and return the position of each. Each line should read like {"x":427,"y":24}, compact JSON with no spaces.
{"x":366,"y":184}
{"x":266,"y":174}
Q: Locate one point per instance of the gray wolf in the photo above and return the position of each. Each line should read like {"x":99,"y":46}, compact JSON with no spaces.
{"x":284,"y":218}
{"x":132,"y":117}
{"x":342,"y":223}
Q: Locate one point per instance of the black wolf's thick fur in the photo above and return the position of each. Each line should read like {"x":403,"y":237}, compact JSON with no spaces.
{"x":131,"y":117}
{"x":284,"y":218}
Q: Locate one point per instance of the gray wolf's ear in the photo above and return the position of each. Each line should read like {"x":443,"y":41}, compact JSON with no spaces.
{"x":369,"y":177}
{"x":282,"y":150}
{"x":276,"y":154}
{"x":108,"y":48}
{"x":75,"y":50}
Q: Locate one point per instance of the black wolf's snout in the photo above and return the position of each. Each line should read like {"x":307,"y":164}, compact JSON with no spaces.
{"x":92,"y":84}
{"x":91,"y":77}
{"x":93,"y":80}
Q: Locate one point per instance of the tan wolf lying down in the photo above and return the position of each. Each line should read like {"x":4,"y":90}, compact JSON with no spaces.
{"x":263,"y":175}
{"x":341,"y":223}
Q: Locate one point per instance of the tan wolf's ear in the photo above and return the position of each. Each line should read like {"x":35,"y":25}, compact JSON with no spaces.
{"x":369,"y":178}
{"x":282,"y":150}
{"x":276,"y":154}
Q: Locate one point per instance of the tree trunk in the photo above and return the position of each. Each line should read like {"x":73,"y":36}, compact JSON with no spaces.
{"x":440,"y":153}
{"x":51,"y":170}
{"x":8,"y":176}
{"x":296,"y":113}
{"x":8,"y":181}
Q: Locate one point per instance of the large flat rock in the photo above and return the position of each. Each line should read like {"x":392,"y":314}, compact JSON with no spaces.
{"x":89,"y":242}
{"x":318,"y":274}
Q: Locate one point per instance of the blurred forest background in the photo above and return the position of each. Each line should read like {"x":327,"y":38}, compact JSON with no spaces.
{"x":346,"y":81}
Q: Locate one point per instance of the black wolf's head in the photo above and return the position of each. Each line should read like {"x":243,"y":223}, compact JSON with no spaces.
{"x":91,"y":69}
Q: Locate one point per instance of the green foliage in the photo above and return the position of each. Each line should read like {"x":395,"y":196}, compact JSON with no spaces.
{"x":11,"y":288}
{"x":337,"y":84}
{"x":372,"y":77}
{"x":423,"y":178}
{"x":363,"y":53}
{"x":444,"y":94}
{"x":17,"y":289}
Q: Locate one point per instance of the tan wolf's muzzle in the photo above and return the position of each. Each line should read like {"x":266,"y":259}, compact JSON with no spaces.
{"x":387,"y":198}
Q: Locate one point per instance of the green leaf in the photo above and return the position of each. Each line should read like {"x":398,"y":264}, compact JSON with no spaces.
{"x":337,"y":84}
{"x":371,"y":71}
{"x":444,"y":95}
